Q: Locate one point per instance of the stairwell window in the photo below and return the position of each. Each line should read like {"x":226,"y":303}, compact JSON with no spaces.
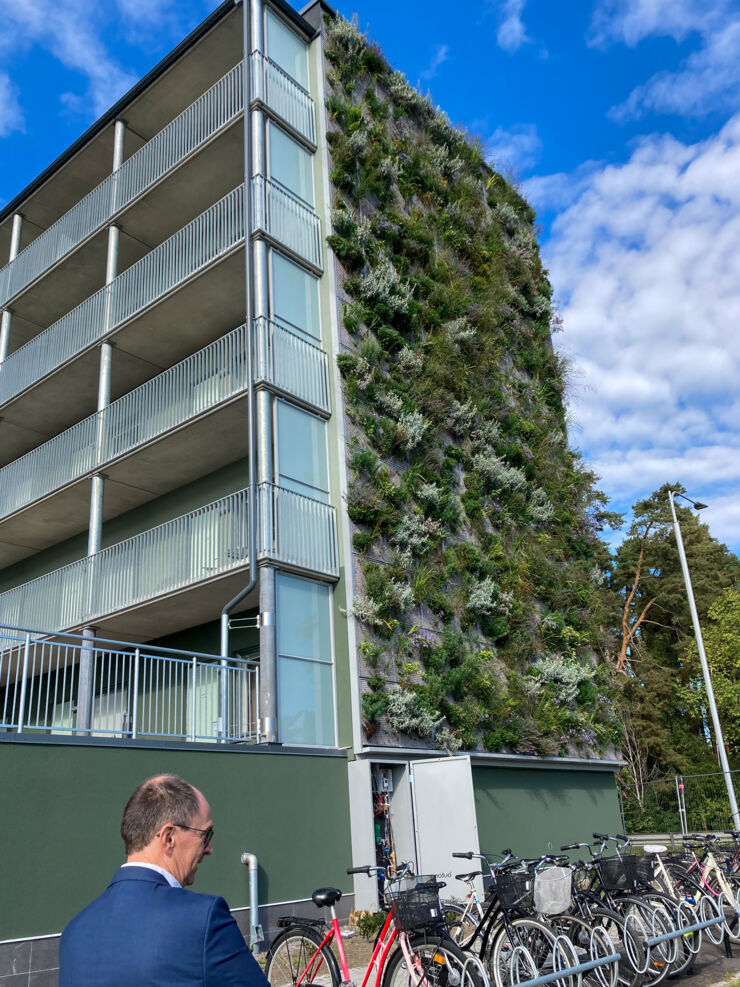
{"x":286,"y":49}
{"x":290,"y":164}
{"x":294,"y":296}
{"x":305,"y":667}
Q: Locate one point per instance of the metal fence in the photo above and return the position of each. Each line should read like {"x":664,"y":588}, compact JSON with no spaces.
{"x":276,"y":90}
{"x":291,"y":363}
{"x":188,"y":550}
{"x":209,"y":236}
{"x":136,"y":691}
{"x":287,"y":219}
{"x":680,"y":804}
{"x":211,"y":112}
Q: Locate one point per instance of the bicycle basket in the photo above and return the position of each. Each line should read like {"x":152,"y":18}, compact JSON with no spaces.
{"x":624,"y":873}
{"x":514,"y":890}
{"x":414,"y":902}
{"x":552,"y":888}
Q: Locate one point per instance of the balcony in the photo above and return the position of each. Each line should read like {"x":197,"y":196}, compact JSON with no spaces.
{"x":207,"y":238}
{"x":194,"y":549}
{"x":282,"y":96}
{"x":137,"y":692}
{"x":178,"y":426}
{"x":212,"y":112}
{"x":287,"y":221}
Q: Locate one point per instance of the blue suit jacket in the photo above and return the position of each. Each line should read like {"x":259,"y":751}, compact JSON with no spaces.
{"x":143,"y":932}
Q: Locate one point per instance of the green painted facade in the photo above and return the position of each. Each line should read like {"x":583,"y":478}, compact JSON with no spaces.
{"x":533,"y":810}
{"x":62,"y":807}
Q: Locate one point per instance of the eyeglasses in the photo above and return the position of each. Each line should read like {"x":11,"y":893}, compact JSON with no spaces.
{"x":205,"y":834}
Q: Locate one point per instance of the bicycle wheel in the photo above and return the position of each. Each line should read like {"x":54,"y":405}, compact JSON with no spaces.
{"x":296,"y":955}
{"x":536,"y":937}
{"x":612,"y":924}
{"x":580,"y":933}
{"x":436,"y":962}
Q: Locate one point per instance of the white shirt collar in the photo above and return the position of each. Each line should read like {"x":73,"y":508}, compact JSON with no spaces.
{"x":172,"y":881}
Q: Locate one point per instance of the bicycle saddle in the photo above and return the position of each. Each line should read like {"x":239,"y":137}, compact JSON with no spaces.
{"x":325,"y":897}
{"x":468,"y":877}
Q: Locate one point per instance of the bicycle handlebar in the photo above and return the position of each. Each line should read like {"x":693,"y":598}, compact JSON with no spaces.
{"x":468,"y":855}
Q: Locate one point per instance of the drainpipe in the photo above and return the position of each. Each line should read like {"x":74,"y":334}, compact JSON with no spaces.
{"x":256,"y":935}
{"x":251,"y":512}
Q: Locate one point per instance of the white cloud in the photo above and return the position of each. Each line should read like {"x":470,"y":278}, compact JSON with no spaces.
{"x":517,"y":149}
{"x":645,"y":258}
{"x":440,"y":56}
{"x":511,"y":34}
{"x":708,"y":79}
{"x":11,"y":115}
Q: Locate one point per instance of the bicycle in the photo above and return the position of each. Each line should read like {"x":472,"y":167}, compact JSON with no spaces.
{"x":706,"y":878}
{"x":411,"y":950}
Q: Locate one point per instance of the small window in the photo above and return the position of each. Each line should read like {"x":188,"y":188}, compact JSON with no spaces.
{"x":287,"y":50}
{"x":295,"y":296}
{"x":301,"y":446}
{"x":290,"y":164}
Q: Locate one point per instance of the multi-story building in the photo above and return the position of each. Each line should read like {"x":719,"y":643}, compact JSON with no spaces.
{"x":173,"y":476}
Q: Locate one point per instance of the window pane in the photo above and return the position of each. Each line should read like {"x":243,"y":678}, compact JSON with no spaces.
{"x":301,"y":451}
{"x":295,"y":295}
{"x":286,"y":49}
{"x":290,"y":164}
{"x":303,"y":627}
{"x":305,"y":703}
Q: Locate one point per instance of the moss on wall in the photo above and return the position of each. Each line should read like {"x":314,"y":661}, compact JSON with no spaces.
{"x":476,"y":527}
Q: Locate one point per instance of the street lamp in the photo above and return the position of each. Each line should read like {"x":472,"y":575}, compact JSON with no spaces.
{"x":703,"y":659}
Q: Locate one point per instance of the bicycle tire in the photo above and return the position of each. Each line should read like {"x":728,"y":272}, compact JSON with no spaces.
{"x":656,"y":924}
{"x":537,"y":937}
{"x":441,"y":964}
{"x":296,"y":955}
{"x":579,"y":931}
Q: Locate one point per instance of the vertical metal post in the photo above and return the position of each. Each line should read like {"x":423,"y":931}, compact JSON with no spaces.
{"x":268,"y":656}
{"x":97,"y":488}
{"x":6,"y":317}
{"x":194,"y":699}
{"x":24,"y":683}
{"x":135,"y":703}
{"x":681,"y":805}
{"x":718,"y":738}
{"x":85,"y":682}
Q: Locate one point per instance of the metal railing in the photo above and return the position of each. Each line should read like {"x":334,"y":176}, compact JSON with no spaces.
{"x":138,"y":691}
{"x":209,"y":236}
{"x":196,"y":125}
{"x":203,"y":381}
{"x":188,"y":550}
{"x":287,"y":220}
{"x":290,"y":362}
{"x":297,"y":530}
{"x":281,"y":94}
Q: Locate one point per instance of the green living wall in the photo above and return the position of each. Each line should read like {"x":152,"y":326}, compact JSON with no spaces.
{"x":534,"y":810}
{"x":62,"y":807}
{"x":475,"y":526}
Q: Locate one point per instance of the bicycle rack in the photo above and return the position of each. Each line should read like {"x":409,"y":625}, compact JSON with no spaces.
{"x":573,"y":971}
{"x":683,"y":931}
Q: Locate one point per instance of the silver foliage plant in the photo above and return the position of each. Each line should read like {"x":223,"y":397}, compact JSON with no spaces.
{"x":564,"y":674}
{"x":406,"y":713}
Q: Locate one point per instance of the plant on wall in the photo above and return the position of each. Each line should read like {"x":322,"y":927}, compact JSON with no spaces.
{"x":475,"y":526}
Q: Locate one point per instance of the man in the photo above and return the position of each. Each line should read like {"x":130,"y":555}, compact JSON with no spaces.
{"x":146,"y":929}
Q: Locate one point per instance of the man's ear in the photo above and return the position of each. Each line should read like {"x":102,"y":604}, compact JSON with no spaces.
{"x":167,"y":836}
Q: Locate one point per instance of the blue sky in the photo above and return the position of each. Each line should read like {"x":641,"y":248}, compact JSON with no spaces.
{"x":621,"y":121}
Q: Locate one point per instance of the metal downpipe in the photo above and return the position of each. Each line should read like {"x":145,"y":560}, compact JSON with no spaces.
{"x":256,"y":935}
{"x":251,"y":512}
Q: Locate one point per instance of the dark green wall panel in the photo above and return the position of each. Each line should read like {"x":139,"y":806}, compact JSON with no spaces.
{"x":525,"y":808}
{"x":62,"y":807}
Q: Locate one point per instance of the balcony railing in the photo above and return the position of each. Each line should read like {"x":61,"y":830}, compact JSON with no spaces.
{"x":287,"y":220}
{"x":208,"y":542}
{"x":283,"y":96}
{"x":196,"y":125}
{"x":291,"y":363}
{"x":209,"y":236}
{"x":203,"y":381}
{"x":137,"y":691}
{"x":297,"y":530}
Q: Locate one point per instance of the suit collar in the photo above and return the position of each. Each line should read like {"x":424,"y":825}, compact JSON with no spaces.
{"x":139,"y":874}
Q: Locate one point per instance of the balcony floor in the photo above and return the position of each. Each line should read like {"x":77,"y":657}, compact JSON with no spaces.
{"x":200,"y":311}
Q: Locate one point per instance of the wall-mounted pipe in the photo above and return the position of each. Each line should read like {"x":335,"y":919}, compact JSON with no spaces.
{"x":256,"y":935}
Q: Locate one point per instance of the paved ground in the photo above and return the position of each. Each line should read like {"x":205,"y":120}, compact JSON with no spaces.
{"x":713,"y":967}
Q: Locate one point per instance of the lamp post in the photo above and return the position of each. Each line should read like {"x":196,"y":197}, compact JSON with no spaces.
{"x":719,"y":740}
